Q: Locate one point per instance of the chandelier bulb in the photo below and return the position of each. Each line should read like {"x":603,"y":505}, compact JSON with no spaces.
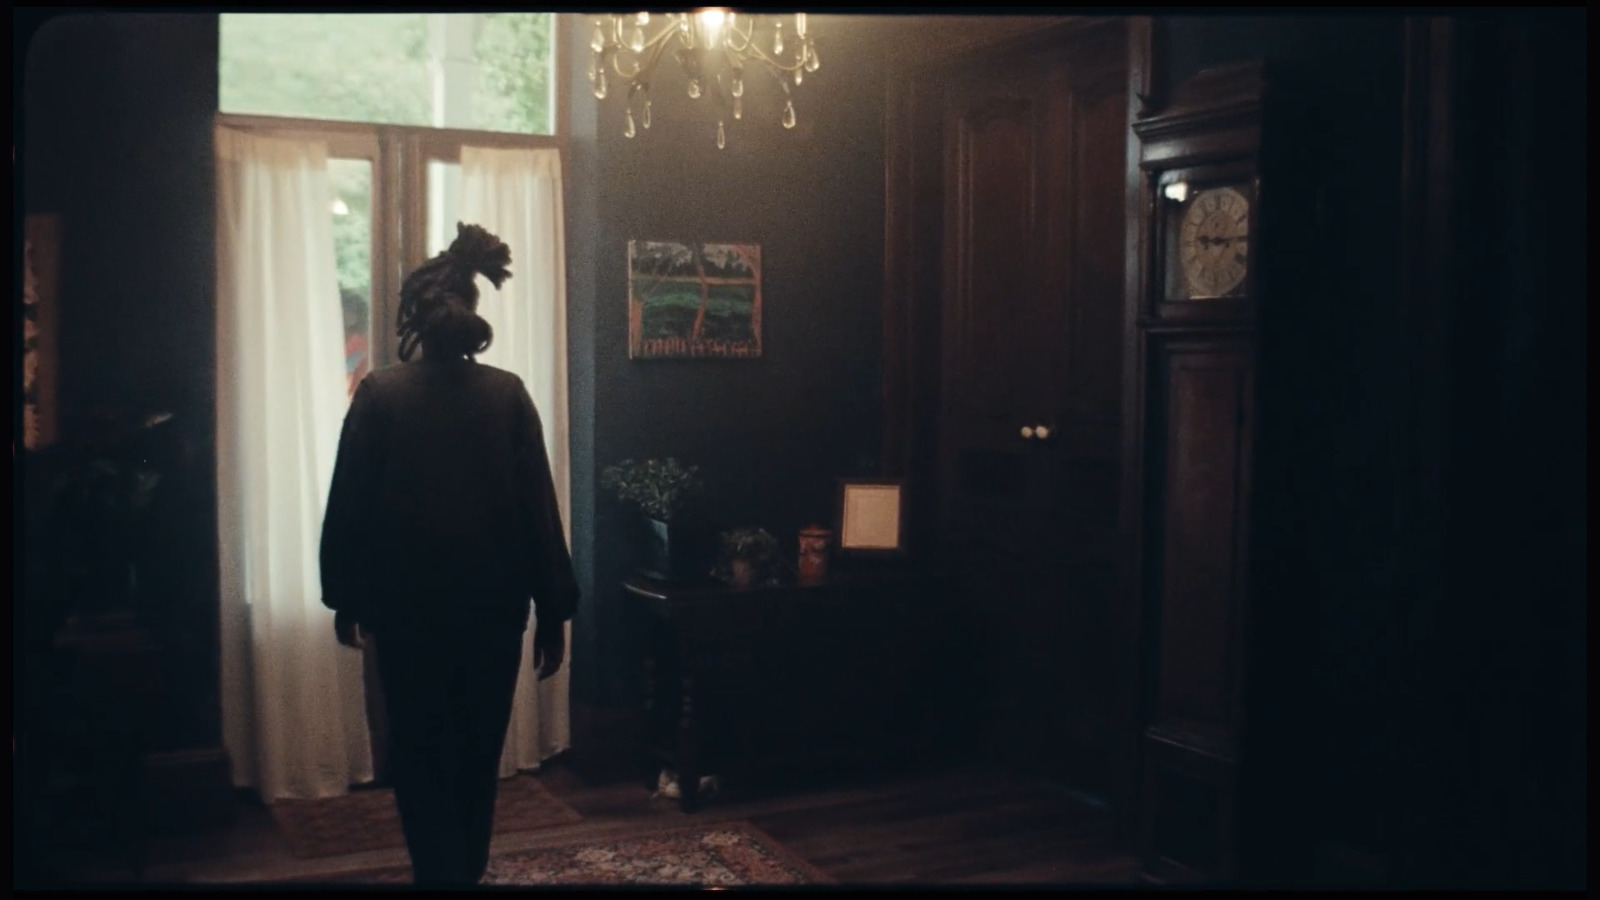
{"x":738,"y":107}
{"x":636,"y":40}
{"x":800,"y":24}
{"x":788,"y":114}
{"x":694,"y":89}
{"x":722,"y":136}
{"x":642,"y":18}
{"x":629,"y":131}
{"x":777,"y":38}
{"x":598,"y":41}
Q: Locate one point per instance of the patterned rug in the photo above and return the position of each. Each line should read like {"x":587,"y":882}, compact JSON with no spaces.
{"x":729,"y":854}
{"x":368,"y":820}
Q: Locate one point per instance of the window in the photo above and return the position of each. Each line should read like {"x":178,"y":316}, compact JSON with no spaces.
{"x":395,"y":96}
{"x":477,"y":71}
{"x":352,"y":251}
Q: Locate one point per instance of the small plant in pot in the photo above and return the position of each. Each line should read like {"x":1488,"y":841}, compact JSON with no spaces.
{"x":749,"y":558}
{"x":94,"y":497}
{"x":662,"y":491}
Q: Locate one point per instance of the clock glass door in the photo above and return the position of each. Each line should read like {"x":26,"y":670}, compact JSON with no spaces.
{"x":1206,"y":238}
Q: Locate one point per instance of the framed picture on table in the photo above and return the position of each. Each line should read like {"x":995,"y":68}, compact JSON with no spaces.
{"x":872,"y":517}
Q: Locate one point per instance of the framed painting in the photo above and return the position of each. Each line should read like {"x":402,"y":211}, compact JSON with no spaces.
{"x":872,"y":517}
{"x":41,"y":277}
{"x":693,"y":300}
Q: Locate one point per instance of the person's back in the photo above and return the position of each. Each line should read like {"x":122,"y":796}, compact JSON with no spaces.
{"x":442,"y":525}
{"x":455,"y":493}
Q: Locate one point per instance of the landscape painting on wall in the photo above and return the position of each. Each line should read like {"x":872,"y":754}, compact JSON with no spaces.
{"x":691,"y":300}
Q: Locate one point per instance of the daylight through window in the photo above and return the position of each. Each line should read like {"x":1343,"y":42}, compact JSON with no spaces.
{"x":477,"y":71}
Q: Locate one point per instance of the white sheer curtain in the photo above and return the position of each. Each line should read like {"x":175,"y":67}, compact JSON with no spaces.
{"x":293,"y":716}
{"x":516,"y":194}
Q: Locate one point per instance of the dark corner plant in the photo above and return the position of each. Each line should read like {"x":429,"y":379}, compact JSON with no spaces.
{"x":95,"y":495}
{"x":660,"y":488}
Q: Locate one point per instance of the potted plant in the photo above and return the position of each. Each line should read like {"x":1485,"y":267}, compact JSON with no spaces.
{"x":95,"y":498}
{"x":749,"y":558}
{"x":661,"y":490}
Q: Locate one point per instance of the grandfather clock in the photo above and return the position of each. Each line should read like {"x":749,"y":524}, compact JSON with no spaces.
{"x":1231,"y":215}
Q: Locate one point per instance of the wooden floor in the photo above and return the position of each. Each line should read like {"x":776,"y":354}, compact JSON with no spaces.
{"x":957,"y":827}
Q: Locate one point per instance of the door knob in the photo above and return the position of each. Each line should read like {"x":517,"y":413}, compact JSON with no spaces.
{"x":1027,"y":431}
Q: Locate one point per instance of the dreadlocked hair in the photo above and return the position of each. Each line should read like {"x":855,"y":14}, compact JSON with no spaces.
{"x":439,"y":301}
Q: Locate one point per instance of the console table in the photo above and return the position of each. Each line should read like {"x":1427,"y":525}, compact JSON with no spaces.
{"x":854,"y":670}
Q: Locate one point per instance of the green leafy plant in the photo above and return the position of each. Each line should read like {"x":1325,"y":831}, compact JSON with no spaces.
{"x":753,"y":544}
{"x":753,"y":550}
{"x":660,"y":488}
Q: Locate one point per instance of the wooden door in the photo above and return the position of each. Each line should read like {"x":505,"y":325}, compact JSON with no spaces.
{"x":1031,"y":308}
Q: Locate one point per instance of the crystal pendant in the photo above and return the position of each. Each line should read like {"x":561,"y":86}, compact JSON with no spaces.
{"x":738,"y":107}
{"x":738,"y":86}
{"x":777,"y":39}
{"x":597,"y":42}
{"x":594,"y":67}
{"x":788,"y":114}
{"x":636,"y":40}
{"x":694,"y":89}
{"x":812,"y":63}
{"x":629,"y":131}
{"x":722,"y":137}
{"x":799,"y":76}
{"x":600,"y":85}
{"x":646,"y":120}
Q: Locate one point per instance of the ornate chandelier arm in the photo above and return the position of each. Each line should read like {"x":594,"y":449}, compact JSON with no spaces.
{"x":752,"y":48}
{"x":654,"y":47}
{"x":746,"y":35}
{"x":756,"y":53}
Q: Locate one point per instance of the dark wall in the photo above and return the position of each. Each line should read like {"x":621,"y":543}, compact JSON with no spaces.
{"x":1443,"y":705}
{"x":770,"y":434}
{"x":116,"y":139}
{"x":1503,"y":687}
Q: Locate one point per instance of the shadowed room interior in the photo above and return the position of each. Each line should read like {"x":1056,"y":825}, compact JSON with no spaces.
{"x":1224,"y":377}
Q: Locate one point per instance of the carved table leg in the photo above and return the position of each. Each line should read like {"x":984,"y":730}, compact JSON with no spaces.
{"x":647,"y":739}
{"x":688,"y":762}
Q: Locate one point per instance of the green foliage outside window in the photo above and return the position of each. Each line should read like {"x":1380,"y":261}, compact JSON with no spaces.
{"x":375,"y":67}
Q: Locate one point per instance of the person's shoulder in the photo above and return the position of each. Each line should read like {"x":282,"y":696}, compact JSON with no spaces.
{"x":383,"y":376}
{"x":498,"y":376}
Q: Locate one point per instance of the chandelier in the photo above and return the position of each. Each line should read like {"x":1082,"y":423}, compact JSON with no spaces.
{"x":713,"y":47}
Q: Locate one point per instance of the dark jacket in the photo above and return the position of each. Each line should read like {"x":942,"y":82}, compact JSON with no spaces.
{"x":442,"y":510}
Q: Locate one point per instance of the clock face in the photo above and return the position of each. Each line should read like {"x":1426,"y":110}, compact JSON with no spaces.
{"x":1214,"y":242}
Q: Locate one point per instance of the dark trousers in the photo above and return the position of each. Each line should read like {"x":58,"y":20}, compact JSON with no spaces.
{"x":448,"y":699}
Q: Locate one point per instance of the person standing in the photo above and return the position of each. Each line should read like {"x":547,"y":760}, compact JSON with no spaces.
{"x":442,"y":525}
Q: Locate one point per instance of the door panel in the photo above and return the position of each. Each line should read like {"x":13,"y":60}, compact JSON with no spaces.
{"x":1031,"y":305}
